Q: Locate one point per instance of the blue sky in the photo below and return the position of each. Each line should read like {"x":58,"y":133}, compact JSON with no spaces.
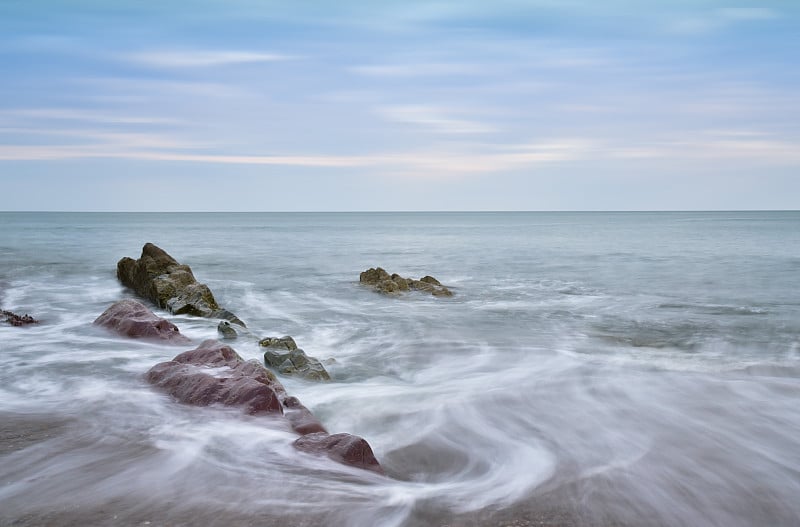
{"x":502,"y":105}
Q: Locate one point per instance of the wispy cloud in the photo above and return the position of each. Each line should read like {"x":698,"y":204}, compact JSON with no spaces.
{"x":429,"y":69}
{"x":201,"y":58}
{"x":71,"y":114}
{"x":718,"y":145}
{"x":440,"y":161}
{"x":747,"y":13}
{"x":703,"y":23}
{"x":141,"y":149}
{"x":440,"y":120}
{"x":143,"y":89}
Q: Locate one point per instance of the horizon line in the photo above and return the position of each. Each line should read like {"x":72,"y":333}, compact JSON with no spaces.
{"x":380,"y":211}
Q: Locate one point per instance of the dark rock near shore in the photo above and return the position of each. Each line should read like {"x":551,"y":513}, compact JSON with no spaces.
{"x":214,"y":373}
{"x":226,"y":331}
{"x":286,"y":342}
{"x":344,"y":448}
{"x":132,"y":319}
{"x":284,"y":356}
{"x":19,"y":320}
{"x":383,"y":282}
{"x":297,"y":363}
{"x":157,"y":276}
{"x":430,"y":280}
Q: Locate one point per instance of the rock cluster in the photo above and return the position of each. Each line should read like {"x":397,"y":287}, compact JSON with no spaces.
{"x":132,"y":319}
{"x":157,"y":276}
{"x":283,"y":355}
{"x":18,"y":320}
{"x":214,"y":373}
{"x":382,"y":282}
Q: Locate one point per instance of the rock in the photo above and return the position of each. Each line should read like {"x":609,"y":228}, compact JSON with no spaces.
{"x":226,"y":331}
{"x":344,"y":448}
{"x":132,"y":319}
{"x":157,"y":276}
{"x":387,"y":286}
{"x":286,"y":342}
{"x":296,"y":363}
{"x":382,"y":282}
{"x":19,"y":320}
{"x":214,"y":373}
{"x":402,"y":283}
{"x":301,"y":418}
{"x":419,"y":285}
{"x":430,"y":280}
{"x":373,"y":276}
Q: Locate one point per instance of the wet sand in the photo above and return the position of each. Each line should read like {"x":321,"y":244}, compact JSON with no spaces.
{"x":535,"y":512}
{"x":18,"y":432}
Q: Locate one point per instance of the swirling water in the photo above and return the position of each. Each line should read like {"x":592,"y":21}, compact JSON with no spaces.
{"x":635,"y":368}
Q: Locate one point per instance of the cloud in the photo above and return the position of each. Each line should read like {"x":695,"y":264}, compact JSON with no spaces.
{"x":71,"y":114}
{"x":452,"y":160}
{"x":719,"y":19}
{"x":434,"y":118}
{"x":719,"y":145}
{"x":429,"y":69}
{"x":200,"y":59}
{"x":445,"y":160}
{"x":143,"y":149}
{"x":747,"y":13}
{"x":148,"y":89}
{"x":493,"y":60}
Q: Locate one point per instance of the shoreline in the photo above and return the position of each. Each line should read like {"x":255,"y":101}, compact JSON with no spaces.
{"x":19,"y":431}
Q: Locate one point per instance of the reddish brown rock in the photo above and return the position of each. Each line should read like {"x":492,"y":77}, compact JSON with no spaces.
{"x":214,"y":373}
{"x":301,"y":418}
{"x":132,"y":319}
{"x":344,"y":448}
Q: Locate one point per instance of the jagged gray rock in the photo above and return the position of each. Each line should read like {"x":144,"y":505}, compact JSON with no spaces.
{"x":19,"y":320}
{"x":226,"y":331}
{"x":157,"y":276}
{"x":286,"y":358}
{"x":382,"y":282}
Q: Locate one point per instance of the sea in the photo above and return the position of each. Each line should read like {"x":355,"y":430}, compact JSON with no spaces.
{"x":592,"y":368}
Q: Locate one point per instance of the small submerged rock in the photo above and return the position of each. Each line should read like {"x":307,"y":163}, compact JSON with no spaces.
{"x":226,"y":330}
{"x":19,"y":320}
{"x":284,"y":356}
{"x":157,"y":276}
{"x":382,"y":282}
{"x":301,"y":418}
{"x":133,"y":319}
{"x":344,"y":448}
{"x":214,"y":373}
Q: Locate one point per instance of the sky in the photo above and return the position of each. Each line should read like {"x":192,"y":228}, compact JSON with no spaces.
{"x":259,"y":105}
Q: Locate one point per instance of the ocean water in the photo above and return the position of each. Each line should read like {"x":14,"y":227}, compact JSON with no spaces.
{"x":608,"y":368}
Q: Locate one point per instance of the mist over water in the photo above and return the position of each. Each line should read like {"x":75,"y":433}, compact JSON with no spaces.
{"x":633,"y":368}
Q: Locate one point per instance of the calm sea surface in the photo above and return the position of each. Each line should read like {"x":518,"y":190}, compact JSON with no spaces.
{"x":634,"y":368}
